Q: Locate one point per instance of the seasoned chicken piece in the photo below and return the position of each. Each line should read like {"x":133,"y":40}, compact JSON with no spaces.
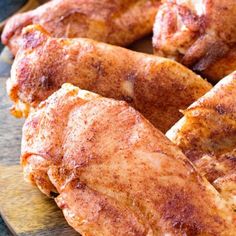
{"x":157,"y":87}
{"x":226,"y":185}
{"x":207,"y":136}
{"x":200,"y":34}
{"x":118,"y":22}
{"x":115,"y":174}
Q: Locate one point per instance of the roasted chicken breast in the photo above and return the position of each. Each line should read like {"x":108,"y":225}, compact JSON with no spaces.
{"x":200,"y":34}
{"x":157,"y":87}
{"x":207,"y":136}
{"x":115,"y":174}
{"x":118,"y":22}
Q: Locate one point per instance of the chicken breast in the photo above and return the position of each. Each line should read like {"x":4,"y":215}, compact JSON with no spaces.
{"x":157,"y":87}
{"x":114,"y":173}
{"x":207,"y":136}
{"x":200,"y":34}
{"x":118,"y":22}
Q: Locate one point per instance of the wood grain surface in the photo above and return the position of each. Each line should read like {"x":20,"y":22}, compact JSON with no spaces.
{"x":25,"y":210}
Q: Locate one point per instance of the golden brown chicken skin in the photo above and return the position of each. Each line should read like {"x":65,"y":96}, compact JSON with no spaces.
{"x":116,"y":175}
{"x":207,"y":136}
{"x":200,"y":34}
{"x":118,"y":22}
{"x":157,"y":87}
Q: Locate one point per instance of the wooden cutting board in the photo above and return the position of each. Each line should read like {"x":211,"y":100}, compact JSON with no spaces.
{"x":25,"y":210}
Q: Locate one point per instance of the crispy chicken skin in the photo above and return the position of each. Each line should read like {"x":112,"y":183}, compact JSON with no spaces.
{"x":207,"y":136}
{"x":118,"y":22}
{"x":157,"y":87}
{"x":200,"y":34}
{"x":115,"y":174}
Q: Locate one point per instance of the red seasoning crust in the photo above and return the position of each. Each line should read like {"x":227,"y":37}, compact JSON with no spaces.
{"x":118,"y":22}
{"x":115,"y":173}
{"x":155,"y":86}
{"x":199,"y":34}
{"x":207,"y":136}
